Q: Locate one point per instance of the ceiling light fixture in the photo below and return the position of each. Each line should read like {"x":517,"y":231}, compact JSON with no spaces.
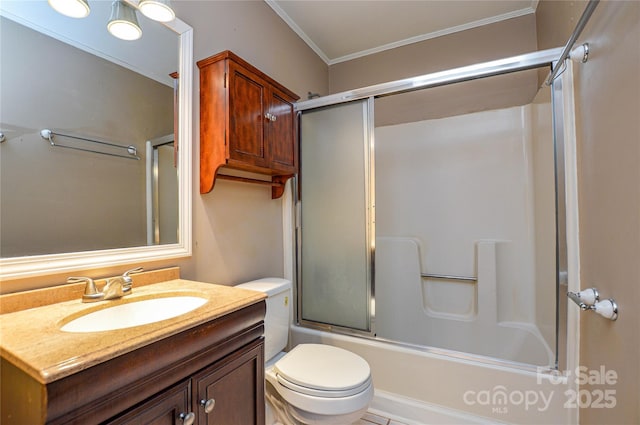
{"x":71,"y":8}
{"x":123,"y":22}
{"x":158,"y":10}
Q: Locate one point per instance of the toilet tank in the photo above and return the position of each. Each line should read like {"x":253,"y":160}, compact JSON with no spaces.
{"x":278,"y":317}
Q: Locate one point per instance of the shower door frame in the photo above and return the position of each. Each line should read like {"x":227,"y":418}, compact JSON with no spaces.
{"x":369,"y":231}
{"x":566,"y":191}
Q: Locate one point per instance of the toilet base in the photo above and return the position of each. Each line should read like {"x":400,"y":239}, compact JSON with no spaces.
{"x":279,"y":412}
{"x":308,"y":418}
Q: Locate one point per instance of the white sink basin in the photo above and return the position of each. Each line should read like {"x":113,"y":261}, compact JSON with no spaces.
{"x":134,"y":313}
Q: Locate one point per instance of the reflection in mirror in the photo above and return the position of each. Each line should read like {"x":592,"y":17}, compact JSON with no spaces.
{"x":90,"y":85}
{"x":60,"y":200}
{"x":162,"y":192}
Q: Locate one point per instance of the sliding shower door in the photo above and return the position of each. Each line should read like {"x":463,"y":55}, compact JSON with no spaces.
{"x":335,"y":211}
{"x":469,"y":213}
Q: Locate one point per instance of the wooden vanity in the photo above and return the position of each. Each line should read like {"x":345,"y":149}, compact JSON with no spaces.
{"x":203,"y":367}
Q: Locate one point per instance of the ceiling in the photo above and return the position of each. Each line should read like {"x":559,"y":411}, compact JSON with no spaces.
{"x":341,"y":30}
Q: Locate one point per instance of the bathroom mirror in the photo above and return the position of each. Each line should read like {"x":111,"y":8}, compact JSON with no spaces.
{"x":98,"y":103}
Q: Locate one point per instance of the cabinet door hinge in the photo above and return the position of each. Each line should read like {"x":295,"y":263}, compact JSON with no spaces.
{"x":225,"y":80}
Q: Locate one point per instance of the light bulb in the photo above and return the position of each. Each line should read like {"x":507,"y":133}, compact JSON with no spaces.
{"x":123,"y":22}
{"x":158,"y":10}
{"x":71,"y":8}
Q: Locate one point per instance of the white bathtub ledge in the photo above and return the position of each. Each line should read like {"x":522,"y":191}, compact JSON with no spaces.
{"x":415,"y":412}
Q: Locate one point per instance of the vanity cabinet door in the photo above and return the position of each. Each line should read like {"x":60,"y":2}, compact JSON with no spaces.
{"x":231,"y":392}
{"x":171,"y":407}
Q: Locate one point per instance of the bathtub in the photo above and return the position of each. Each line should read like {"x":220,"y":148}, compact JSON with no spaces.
{"x":423,"y":386}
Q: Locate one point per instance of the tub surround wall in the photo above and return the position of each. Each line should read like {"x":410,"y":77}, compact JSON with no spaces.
{"x":485,"y":206}
{"x":460,"y":316}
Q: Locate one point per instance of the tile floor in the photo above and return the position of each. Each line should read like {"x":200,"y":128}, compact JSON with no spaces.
{"x":371,"y":419}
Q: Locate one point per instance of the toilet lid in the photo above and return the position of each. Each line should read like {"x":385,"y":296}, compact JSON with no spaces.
{"x":324,"y":368}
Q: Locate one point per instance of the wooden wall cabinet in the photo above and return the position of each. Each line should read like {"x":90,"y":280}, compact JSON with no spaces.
{"x":247,"y":123}
{"x":167,"y":382}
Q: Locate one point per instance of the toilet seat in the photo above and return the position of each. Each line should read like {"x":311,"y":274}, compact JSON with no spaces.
{"x":323,"y":370}
{"x":322,"y":393}
{"x":326,"y":406}
{"x":322,"y":379}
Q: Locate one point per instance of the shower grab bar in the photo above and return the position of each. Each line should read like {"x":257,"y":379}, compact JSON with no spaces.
{"x":131,"y":150}
{"x":448,"y":277}
{"x":588,"y":11}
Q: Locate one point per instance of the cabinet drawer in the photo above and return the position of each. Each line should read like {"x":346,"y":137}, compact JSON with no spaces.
{"x":162,"y":409}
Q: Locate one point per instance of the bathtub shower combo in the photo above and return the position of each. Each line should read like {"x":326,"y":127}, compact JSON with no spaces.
{"x":431,"y":238}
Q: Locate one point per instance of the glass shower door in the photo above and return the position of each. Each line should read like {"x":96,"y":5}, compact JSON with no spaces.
{"x":335,"y":212}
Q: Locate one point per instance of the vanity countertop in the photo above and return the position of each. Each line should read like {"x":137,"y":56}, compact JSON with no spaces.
{"x":32,"y":339}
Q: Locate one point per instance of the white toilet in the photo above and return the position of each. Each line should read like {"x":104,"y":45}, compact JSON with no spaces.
{"x":312,"y":383}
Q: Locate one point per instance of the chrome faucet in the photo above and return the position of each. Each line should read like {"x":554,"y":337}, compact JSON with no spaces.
{"x":116,"y":287}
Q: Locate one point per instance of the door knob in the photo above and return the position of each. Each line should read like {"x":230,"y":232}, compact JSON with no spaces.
{"x":208,"y":405}
{"x":188,"y":418}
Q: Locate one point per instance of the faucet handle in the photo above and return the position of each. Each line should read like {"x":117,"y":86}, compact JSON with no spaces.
{"x":91,"y":293}
{"x":128,"y":281}
{"x":136,"y":270}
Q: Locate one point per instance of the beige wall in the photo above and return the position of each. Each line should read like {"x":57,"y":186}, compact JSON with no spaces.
{"x":507,"y":38}
{"x":608,"y":133}
{"x":237,"y":233}
{"x":238,"y":227}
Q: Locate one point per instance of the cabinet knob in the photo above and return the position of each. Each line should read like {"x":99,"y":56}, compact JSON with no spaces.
{"x":188,"y":418}
{"x":270,"y":117}
{"x":208,"y":405}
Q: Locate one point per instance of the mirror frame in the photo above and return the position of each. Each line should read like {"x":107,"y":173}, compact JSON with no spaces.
{"x":39,"y":265}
